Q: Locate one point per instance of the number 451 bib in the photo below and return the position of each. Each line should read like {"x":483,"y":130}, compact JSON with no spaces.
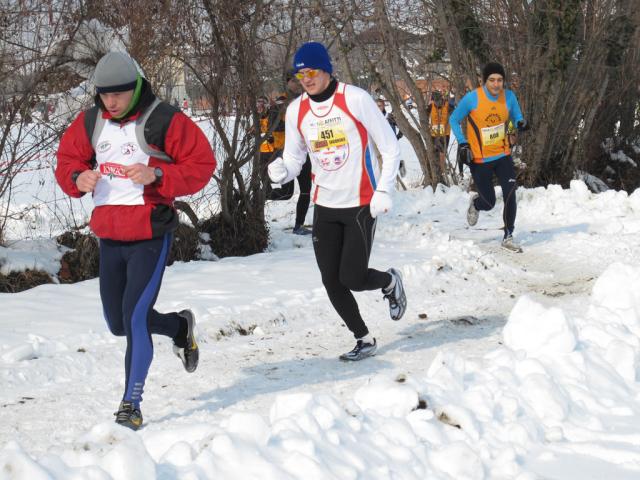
{"x":330,"y":147}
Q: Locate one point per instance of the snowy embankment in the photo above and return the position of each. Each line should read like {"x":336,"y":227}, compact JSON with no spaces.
{"x":505,"y":366}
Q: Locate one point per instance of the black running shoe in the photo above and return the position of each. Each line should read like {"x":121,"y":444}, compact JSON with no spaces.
{"x":189,"y":354}
{"x":301,"y":230}
{"x":396,"y":296}
{"x":129,"y":416}
{"x":361,"y":350}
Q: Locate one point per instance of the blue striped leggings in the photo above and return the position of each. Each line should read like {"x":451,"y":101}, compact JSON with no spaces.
{"x":130,"y":278}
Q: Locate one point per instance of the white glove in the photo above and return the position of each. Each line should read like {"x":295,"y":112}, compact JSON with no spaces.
{"x":277,"y":170}
{"x":380,"y":203}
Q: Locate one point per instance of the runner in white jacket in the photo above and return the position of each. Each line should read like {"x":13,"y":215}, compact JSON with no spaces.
{"x":335,"y":124}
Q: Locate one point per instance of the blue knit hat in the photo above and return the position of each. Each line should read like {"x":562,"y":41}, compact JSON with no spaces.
{"x":312,"y":55}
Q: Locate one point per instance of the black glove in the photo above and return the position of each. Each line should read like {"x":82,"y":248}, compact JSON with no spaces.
{"x":402,"y":169}
{"x":523,"y":126}
{"x":465,"y":156}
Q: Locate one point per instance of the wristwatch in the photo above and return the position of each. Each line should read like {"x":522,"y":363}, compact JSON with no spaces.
{"x":74,"y":176}
{"x":159,"y":174}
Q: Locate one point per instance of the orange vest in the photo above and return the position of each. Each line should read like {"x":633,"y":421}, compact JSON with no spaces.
{"x":266,"y":146}
{"x":278,"y":139}
{"x":440,"y":120}
{"x":278,"y":131}
{"x":487,"y":127}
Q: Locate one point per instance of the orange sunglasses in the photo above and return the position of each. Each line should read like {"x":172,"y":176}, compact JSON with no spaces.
{"x":309,"y":74}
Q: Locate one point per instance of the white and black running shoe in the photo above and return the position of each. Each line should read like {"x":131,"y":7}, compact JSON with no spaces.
{"x":472,"y":212}
{"x":360,"y":351}
{"x":508,"y":243}
{"x":396,"y":296}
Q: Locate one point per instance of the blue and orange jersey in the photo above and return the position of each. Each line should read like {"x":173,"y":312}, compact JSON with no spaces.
{"x":488,"y":118}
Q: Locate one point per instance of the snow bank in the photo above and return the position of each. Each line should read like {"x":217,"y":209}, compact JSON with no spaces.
{"x":556,"y":383}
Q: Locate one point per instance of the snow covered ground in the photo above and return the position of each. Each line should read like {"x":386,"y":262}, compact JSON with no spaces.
{"x":505,"y":366}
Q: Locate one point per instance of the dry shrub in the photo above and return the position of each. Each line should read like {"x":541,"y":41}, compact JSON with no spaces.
{"x":82,"y":262}
{"x":186,"y":244}
{"x":19,"y":281}
{"x":241,"y":238}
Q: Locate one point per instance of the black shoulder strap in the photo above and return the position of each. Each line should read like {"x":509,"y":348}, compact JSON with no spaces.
{"x":141,"y":124}
{"x":90,"y":118}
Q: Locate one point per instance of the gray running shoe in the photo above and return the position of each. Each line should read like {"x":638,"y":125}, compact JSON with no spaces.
{"x":472,"y":212}
{"x":396,"y":296}
{"x":360,"y":351}
{"x":509,"y":244}
{"x":190,"y":354}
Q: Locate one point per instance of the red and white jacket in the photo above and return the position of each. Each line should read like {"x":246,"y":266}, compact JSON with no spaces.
{"x":337,"y":133}
{"x":123,"y":210}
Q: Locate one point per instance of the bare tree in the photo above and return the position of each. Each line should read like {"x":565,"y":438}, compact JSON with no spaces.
{"x":390,"y":47}
{"x":220,"y":44}
{"x":35,"y":53}
{"x":572,"y":63}
{"x":562,"y":57}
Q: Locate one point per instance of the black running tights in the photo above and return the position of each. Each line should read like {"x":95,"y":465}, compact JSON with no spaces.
{"x":342,"y":239}
{"x":483,"y":178}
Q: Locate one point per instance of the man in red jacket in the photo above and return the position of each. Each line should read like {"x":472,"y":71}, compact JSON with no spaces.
{"x":135,"y":154}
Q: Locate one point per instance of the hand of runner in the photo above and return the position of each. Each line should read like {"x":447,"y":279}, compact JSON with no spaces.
{"x":381,"y":203}
{"x":87,"y":180}
{"x":140,"y":174}
{"x":277,"y":170}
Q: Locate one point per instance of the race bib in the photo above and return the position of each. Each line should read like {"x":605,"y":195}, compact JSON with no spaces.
{"x":438,"y":129}
{"x":329,"y":143}
{"x":493,"y":135}
{"x":112,"y":170}
{"x":329,"y":137}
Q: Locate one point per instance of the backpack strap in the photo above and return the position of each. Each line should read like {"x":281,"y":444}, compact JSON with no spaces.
{"x":90,"y":122}
{"x":93,"y":124}
{"x":140,"y":136}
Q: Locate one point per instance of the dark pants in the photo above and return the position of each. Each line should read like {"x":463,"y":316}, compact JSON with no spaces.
{"x":265,"y":159}
{"x":342,"y":239}
{"x":483,"y":178}
{"x":130,"y":278}
{"x":440,"y":143}
{"x":285,"y":192}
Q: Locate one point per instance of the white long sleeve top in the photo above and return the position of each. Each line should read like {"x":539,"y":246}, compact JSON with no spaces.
{"x":337,"y":134}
